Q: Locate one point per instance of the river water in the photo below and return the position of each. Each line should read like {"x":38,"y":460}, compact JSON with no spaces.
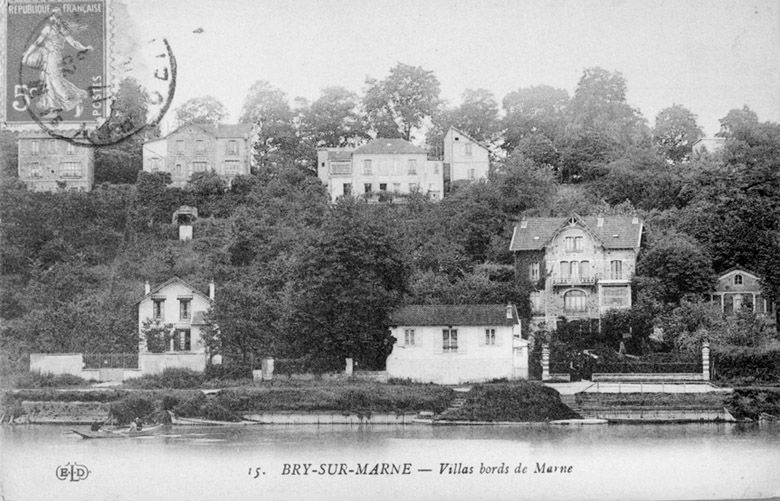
{"x":698,"y":461}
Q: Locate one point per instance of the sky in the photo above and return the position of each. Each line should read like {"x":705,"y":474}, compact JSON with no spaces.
{"x":707,"y":55}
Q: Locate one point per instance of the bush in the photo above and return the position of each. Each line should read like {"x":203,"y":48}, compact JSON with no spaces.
{"x":519,"y":401}
{"x":168,"y":379}
{"x":38,"y":380}
{"x":227,"y":372}
{"x":131,"y":407}
{"x":747,"y":366}
{"x":752,"y":402}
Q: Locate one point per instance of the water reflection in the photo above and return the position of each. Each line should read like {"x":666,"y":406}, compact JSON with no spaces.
{"x":697,"y":461}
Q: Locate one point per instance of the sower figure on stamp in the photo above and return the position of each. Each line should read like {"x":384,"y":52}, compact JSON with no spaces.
{"x":46,"y":54}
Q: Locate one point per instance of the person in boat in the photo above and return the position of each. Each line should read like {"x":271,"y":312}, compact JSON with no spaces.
{"x":138,"y":424}
{"x":96,"y":425}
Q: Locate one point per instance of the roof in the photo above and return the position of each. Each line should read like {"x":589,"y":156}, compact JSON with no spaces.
{"x":480,"y":143}
{"x":218,"y":130}
{"x":738,"y":269}
{"x":384,"y":146}
{"x":615,"y":232}
{"x":457,"y":314}
{"x":158,"y":288}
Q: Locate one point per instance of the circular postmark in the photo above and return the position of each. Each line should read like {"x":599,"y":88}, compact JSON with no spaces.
{"x":81,"y":93}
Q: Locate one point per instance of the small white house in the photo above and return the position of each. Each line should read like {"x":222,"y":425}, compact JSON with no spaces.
{"x":180,"y":305}
{"x":452,"y":344}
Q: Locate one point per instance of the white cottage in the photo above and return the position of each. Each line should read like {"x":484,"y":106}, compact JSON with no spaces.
{"x":180,"y":305}
{"x":452,"y":344}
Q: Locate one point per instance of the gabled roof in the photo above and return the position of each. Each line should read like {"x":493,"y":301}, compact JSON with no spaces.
{"x":384,"y":146}
{"x":738,"y":269}
{"x":219,"y":130}
{"x":158,"y":288}
{"x":458,"y":314}
{"x":480,"y":143}
{"x":615,"y":232}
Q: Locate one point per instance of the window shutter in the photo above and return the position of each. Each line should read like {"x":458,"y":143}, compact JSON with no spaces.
{"x":499,"y":337}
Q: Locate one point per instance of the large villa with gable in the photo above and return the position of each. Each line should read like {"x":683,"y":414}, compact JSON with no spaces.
{"x":579,"y":267}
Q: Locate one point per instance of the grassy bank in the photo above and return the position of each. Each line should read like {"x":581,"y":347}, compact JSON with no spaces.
{"x":354,"y":397}
{"x":753,"y":402}
{"x":516,"y":401}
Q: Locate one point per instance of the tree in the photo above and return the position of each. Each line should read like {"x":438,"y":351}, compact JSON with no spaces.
{"x":157,"y":335}
{"x":200,"y":110}
{"x":266,"y":107}
{"x":533,"y":110}
{"x":399,"y":103}
{"x":737,"y":119}
{"x":121,"y":162}
{"x":334,"y":119}
{"x":352,"y":275}
{"x":599,"y":105}
{"x":675,"y":267}
{"x":675,"y":132}
{"x":524,"y":185}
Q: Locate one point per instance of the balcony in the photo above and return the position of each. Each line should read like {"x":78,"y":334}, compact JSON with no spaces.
{"x":570,"y":281}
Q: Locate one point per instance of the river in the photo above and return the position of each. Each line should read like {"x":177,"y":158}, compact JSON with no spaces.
{"x":695,"y":461}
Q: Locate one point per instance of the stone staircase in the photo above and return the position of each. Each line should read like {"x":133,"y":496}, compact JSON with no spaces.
{"x":570,"y":401}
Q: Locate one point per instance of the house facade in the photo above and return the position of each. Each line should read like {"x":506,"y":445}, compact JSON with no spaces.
{"x":380,"y":169}
{"x":177,"y":304}
{"x":465,"y":158}
{"x":48,"y":164}
{"x":225,"y":149}
{"x":738,"y":288}
{"x":580,"y":267}
{"x":452,"y":344}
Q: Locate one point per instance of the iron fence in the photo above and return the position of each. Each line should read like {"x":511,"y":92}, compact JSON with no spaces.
{"x":111,"y":360}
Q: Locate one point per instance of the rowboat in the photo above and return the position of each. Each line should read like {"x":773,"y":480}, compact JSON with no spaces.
{"x":123,"y":433}
{"x":184,"y":421}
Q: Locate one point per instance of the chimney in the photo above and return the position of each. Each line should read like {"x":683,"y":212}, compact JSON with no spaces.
{"x":509,"y":309}
{"x":211,"y":290}
{"x":147,"y":288}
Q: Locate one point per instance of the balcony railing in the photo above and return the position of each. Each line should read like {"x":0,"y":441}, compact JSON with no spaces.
{"x":574,"y":280}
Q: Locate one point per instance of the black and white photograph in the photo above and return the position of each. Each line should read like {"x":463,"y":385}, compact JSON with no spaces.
{"x":389,"y":250}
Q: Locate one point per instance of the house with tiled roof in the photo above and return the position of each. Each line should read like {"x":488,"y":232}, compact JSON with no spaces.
{"x":181,"y":307}
{"x":580,"y":267}
{"x":223,"y":148}
{"x":465,"y":158}
{"x":452,"y":344}
{"x":49,"y":164}
{"x":380,"y":170}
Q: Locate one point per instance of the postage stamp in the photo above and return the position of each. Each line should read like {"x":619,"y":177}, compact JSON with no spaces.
{"x":65,"y":64}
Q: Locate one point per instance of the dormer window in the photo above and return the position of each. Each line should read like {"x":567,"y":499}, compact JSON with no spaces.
{"x":468,"y":149}
{"x":737,"y":279}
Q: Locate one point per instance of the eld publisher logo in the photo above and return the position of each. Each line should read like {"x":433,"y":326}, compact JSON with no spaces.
{"x":73,"y":472}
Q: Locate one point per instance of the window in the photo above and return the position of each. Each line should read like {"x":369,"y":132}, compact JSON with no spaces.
{"x":341,"y":168}
{"x":533,"y":272}
{"x":412,"y":167}
{"x":347,"y":189}
{"x":468,"y":149}
{"x":409,"y":337}
{"x":52,"y":148}
{"x":178,"y":170}
{"x":180,"y":147}
{"x":616,"y":270}
{"x":232,"y":148}
{"x":573,"y":244}
{"x":181,"y":340}
{"x":184,"y":309}
{"x":200,"y":146}
{"x":565,"y":269}
{"x":382,"y":186}
{"x":71,"y":149}
{"x":200,"y":166}
{"x":490,"y":337}
{"x":472,"y":174}
{"x":574,"y":301}
{"x":154,"y":164}
{"x":414,"y":187}
{"x":450,"y":339}
{"x":367,"y":188}
{"x":158,"y":309}
{"x":396,"y":187}
{"x":35,"y":148}
{"x":367,"y":171}
{"x":231,"y":166}
{"x":70,"y":169}
{"x":584,"y":269}
{"x":34,"y":169}
{"x":738,"y":279}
